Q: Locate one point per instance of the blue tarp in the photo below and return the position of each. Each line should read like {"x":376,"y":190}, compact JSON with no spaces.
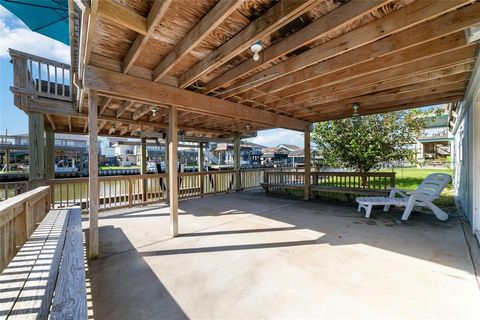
{"x":47,"y":17}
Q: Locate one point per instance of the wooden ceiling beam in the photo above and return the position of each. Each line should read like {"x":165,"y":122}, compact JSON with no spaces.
{"x":123,"y":16}
{"x":352,"y":95}
{"x":221,"y":11}
{"x":332,"y":21}
{"x":156,"y":14}
{"x":279,"y":15}
{"x":385,"y":99}
{"x":104,"y":105}
{"x":123,"y":107}
{"x":414,"y":72}
{"x":446,"y":31}
{"x":361,"y":44}
{"x":399,"y":105}
{"x":142,"y":111}
{"x":138,"y":90}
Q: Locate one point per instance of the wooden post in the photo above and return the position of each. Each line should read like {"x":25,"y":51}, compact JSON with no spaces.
{"x":93,"y":187}
{"x":200,"y":166}
{"x":7,"y":159}
{"x":236,"y":159}
{"x":49,"y":152}
{"x":36,"y":149}
{"x":307,"y":165}
{"x":166,"y":167}
{"x":172,"y":170}
{"x":143,"y":169}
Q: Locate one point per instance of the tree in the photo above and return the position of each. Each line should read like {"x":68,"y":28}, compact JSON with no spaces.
{"x":364,"y":143}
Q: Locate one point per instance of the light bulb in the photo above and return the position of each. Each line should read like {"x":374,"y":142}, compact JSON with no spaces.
{"x":256,"y":56}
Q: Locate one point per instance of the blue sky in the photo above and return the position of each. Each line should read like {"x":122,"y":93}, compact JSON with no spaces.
{"x":14,"y":34}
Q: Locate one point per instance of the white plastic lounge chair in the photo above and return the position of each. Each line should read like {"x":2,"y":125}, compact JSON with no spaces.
{"x":428,"y":191}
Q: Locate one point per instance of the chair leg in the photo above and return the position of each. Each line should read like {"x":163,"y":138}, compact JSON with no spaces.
{"x":359,"y":207}
{"x":368,"y":211}
{"x":408,"y":208}
{"x":386,"y":208}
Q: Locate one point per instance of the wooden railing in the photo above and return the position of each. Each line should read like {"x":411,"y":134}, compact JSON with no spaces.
{"x":11,"y":189}
{"x":339,"y":182}
{"x":127,"y":191}
{"x":19,"y":216}
{"x":40,"y":77}
{"x":355,"y":180}
{"x":251,"y":178}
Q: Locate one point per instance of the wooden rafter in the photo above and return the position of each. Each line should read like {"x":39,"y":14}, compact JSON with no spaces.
{"x":144,"y":91}
{"x":278,"y":16}
{"x":398,"y":105}
{"x":123,"y":16}
{"x":50,"y":119}
{"x":450,"y":47}
{"x":354,"y":94}
{"x":328,"y":23}
{"x":454,"y":61}
{"x":387,"y":98}
{"x":61,"y":108}
{"x":104,"y":105}
{"x":201,"y":30}
{"x":394,"y":50}
{"x":143,"y":111}
{"x":124,"y":107}
{"x":156,"y":14}
{"x":303,"y":67}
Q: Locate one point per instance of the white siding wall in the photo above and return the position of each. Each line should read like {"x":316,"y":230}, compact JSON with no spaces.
{"x":467,"y":153}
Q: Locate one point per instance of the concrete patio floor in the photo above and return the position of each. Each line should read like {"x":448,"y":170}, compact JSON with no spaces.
{"x":251,"y":256}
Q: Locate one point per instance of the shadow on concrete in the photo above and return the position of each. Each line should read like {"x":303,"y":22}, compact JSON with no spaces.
{"x":423,"y":236}
{"x":124,"y":287}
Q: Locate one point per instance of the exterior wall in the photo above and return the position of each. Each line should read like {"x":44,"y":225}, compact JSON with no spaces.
{"x":467,"y":153}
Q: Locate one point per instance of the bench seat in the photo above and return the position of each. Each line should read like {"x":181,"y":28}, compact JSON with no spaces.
{"x":46,"y":278}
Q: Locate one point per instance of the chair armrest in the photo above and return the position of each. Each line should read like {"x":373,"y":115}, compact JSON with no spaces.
{"x":395,"y":191}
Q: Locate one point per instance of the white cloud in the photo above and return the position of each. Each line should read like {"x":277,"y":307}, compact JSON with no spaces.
{"x":16,"y":36}
{"x":274,"y":137}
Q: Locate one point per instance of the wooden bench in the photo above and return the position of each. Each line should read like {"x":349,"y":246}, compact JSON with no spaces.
{"x":46,"y":278}
{"x":345,"y":190}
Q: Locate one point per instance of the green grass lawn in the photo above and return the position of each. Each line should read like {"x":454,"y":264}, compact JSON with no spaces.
{"x":410,"y":178}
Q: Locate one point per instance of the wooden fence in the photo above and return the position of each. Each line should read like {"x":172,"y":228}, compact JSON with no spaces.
{"x":11,"y":189}
{"x":127,"y":191}
{"x":375,"y":183}
{"x":19,"y":216}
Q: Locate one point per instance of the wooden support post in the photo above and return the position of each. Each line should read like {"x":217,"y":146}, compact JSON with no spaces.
{"x":307,"y":165}
{"x":93,"y":186}
{"x":172,"y":169}
{"x":200,"y":159}
{"x":49,"y":152}
{"x":36,"y":149}
{"x":167,"y":198}
{"x":7,"y":159}
{"x":236,"y":159}
{"x":143,"y":169}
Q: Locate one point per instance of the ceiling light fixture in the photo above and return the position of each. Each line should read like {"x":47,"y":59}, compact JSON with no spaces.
{"x":247,"y":127}
{"x":256,"y":48}
{"x":355,"y":107}
{"x":154,"y":112}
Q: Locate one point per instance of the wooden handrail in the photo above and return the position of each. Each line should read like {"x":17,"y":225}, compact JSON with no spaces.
{"x":19,"y":216}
